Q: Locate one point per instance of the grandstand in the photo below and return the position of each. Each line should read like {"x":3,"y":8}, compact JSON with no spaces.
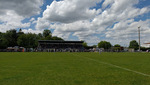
{"x":60,"y":46}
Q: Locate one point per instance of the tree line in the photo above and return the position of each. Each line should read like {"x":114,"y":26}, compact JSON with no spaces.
{"x":13,"y":38}
{"x":107,"y":45}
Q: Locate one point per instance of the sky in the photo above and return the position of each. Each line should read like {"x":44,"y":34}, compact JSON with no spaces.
{"x":115,"y":21}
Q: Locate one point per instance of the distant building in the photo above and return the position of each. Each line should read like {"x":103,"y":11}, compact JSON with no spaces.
{"x":131,"y":50}
{"x":147,"y":45}
{"x":60,"y":46}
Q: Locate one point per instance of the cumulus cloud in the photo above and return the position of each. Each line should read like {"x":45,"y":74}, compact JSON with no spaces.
{"x":128,"y":30}
{"x":13,"y":12}
{"x":32,"y":19}
{"x":11,"y":20}
{"x":24,"y":8}
{"x":42,"y":24}
{"x":30,"y":30}
{"x":79,"y":18}
{"x":107,"y":3}
{"x":120,"y":10}
{"x":72,"y":27}
{"x":68,"y":11}
{"x":115,"y":20}
{"x":69,"y":16}
{"x":64,"y":30}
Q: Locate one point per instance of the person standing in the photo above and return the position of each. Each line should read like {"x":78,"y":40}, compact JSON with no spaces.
{"x":99,"y":51}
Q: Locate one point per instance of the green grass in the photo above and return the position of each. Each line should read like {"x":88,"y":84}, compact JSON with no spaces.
{"x":73,"y":68}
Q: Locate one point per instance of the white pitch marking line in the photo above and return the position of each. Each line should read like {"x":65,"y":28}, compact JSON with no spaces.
{"x":114,"y":65}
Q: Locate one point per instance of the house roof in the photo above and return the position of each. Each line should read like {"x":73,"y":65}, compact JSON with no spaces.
{"x":146,"y":43}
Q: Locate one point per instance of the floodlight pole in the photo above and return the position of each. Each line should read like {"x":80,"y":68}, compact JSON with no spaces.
{"x":139,"y":38}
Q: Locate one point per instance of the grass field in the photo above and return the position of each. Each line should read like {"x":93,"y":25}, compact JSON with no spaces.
{"x":74,"y":68}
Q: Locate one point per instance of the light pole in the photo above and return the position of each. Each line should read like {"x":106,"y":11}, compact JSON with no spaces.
{"x":139,"y":37}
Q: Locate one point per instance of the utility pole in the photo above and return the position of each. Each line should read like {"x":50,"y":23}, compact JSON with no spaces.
{"x":139,"y":37}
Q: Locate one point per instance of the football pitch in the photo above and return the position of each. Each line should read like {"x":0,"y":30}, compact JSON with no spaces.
{"x":68,"y":68}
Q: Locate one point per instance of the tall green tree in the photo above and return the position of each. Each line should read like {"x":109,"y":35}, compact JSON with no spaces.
{"x":49,"y":37}
{"x":94,"y":46}
{"x":32,"y":40}
{"x":134,"y":44}
{"x":47,"y":33}
{"x":40,"y":36}
{"x":56,"y":38}
{"x":3,"y":41}
{"x":23,"y":40}
{"x":85,"y":45}
{"x":11,"y":36}
{"x":104,"y":44}
{"x":117,"y":45}
{"x":20,"y":32}
{"x":28,"y":40}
